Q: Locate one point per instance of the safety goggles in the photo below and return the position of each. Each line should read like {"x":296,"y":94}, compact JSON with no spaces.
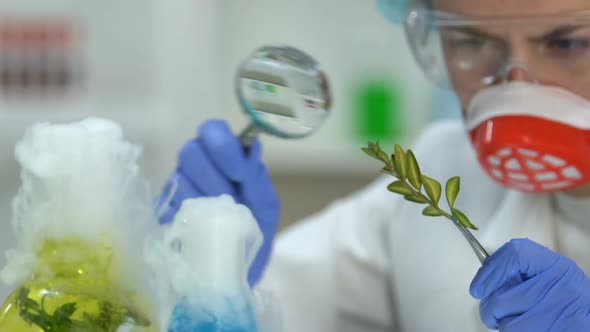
{"x":471,"y":53}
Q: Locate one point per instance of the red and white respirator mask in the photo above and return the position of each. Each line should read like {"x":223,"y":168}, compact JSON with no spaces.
{"x":531,"y":137}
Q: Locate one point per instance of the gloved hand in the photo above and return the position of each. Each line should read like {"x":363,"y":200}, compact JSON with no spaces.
{"x":527,"y":287}
{"x":215,"y":163}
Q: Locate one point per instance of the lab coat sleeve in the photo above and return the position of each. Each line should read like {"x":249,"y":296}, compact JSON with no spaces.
{"x":331,"y":271}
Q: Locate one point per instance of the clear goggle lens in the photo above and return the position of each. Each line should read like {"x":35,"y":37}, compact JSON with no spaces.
{"x":472,"y":53}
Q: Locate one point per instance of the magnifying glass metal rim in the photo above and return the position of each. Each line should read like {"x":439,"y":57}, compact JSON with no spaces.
{"x":258,"y":125}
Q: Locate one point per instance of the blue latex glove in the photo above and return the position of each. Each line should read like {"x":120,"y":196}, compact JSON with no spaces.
{"x":214,"y":164}
{"x":527,"y":287}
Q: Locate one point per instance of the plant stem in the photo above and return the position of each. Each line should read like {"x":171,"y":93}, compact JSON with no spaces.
{"x":418,"y":193}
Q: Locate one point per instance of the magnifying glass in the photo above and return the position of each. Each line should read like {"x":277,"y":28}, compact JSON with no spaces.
{"x":284,"y":91}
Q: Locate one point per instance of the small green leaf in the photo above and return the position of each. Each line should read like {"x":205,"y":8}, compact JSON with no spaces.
{"x":37,"y":320}
{"x":65,"y":311}
{"x":413,"y":170}
{"x":386,"y":171}
{"x":392,"y":165}
{"x":452,"y":190}
{"x":400,"y":188}
{"x":463,"y":220}
{"x":401,"y":162}
{"x":376,"y":147}
{"x":416,"y":199}
{"x":370,"y":152}
{"x":31,"y":304}
{"x":383,"y":157}
{"x":433,"y":188}
{"x":431,"y":211}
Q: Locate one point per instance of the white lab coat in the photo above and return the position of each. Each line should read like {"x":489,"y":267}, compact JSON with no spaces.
{"x":371,"y":262}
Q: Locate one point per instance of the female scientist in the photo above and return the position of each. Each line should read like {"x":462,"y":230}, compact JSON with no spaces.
{"x":372,"y":262}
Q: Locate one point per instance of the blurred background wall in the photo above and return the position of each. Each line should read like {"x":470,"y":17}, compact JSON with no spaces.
{"x":161,"y":67}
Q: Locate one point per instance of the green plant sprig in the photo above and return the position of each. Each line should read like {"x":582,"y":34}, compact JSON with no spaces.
{"x":61,"y":320}
{"x":410,"y":182}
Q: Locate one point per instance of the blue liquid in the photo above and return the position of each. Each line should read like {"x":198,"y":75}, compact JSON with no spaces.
{"x":186,"y":319}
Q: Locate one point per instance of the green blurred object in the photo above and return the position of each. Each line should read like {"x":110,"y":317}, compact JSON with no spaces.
{"x":377,"y":109}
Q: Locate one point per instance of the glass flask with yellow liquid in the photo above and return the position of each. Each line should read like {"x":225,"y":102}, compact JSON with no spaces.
{"x":73,"y":288}
{"x":78,"y":216}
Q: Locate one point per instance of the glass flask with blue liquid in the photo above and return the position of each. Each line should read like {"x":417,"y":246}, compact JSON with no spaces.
{"x":205,"y":255}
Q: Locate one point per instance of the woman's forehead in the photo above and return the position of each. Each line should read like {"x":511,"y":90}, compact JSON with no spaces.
{"x":511,"y":7}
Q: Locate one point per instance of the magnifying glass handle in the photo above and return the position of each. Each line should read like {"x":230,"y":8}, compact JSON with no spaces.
{"x":248,"y":135}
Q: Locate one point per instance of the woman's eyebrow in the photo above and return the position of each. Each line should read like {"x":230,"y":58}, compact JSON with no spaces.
{"x":559,"y":32}
{"x":465,"y":30}
{"x":473,"y":32}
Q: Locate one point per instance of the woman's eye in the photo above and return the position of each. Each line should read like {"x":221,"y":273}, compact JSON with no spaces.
{"x":568,"y":46}
{"x":469,"y":43}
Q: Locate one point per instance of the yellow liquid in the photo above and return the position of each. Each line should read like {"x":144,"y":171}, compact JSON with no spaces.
{"x":73,"y":272}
